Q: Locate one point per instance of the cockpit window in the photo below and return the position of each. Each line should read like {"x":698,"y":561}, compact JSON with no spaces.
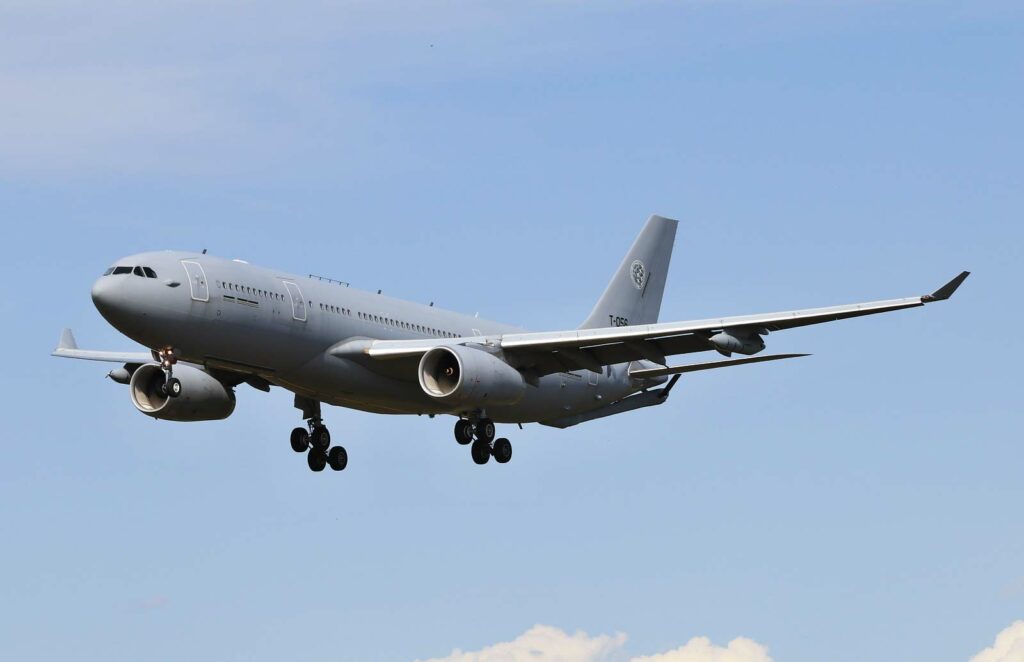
{"x":149,"y":272}
{"x":109,"y":271}
{"x":138,"y":272}
{"x":122,"y":270}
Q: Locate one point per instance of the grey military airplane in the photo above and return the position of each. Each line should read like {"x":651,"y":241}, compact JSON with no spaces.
{"x":212,"y":324}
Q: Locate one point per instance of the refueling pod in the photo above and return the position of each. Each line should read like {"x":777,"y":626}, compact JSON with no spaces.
{"x":739,"y":340}
{"x":463,"y":376}
{"x":203,"y":396}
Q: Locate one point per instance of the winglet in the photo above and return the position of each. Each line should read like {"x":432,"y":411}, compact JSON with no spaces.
{"x":946,"y":290}
{"x":67,"y":340}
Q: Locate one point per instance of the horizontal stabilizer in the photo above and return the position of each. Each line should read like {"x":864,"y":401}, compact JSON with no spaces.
{"x":947,"y":290}
{"x":694,"y":367}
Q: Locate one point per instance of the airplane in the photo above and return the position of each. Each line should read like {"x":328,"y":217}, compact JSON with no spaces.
{"x":212,"y":324}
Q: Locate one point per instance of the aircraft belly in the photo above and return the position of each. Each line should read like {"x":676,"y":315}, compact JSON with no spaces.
{"x":345,"y":383}
{"x":563,"y":394}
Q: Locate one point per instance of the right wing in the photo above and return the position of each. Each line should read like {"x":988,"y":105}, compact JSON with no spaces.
{"x":545,"y":353}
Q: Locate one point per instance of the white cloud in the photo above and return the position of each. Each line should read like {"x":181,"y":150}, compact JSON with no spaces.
{"x":700,"y":649}
{"x":1009,"y":646}
{"x":544,"y":643}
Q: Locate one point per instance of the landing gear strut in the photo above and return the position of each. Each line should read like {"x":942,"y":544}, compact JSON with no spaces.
{"x":171,"y":386}
{"x":316,"y":441}
{"x":485,"y":445}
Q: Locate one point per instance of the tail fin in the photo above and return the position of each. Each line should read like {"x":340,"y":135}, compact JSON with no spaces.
{"x":634,"y":294}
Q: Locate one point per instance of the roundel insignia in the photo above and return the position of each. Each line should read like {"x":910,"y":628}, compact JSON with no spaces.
{"x":638,"y":274}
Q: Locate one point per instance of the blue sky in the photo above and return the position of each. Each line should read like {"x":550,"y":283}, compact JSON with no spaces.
{"x":862,"y":504}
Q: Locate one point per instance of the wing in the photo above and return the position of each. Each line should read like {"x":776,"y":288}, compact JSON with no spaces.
{"x":591,"y":349}
{"x":68,"y":348}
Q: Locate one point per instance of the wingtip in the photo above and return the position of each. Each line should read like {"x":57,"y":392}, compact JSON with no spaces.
{"x":67,"y":340}
{"x":946,"y":290}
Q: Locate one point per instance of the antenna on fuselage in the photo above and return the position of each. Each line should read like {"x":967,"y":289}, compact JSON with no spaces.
{"x":204,"y":251}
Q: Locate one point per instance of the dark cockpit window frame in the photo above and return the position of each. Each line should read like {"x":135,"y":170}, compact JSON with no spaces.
{"x":149,"y":272}
{"x":121,"y":270}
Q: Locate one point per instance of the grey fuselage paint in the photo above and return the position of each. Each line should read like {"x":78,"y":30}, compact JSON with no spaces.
{"x":230,"y":314}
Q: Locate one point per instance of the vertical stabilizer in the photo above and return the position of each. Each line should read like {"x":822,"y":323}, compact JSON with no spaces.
{"x":634,"y":294}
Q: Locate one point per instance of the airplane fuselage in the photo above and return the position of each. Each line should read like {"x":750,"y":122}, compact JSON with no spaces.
{"x":231,"y":315}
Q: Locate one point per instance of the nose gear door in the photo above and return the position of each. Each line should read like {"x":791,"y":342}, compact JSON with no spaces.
{"x":197,"y":284}
{"x":298,"y":303}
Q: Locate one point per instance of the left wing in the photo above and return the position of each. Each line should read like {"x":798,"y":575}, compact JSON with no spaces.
{"x":68,"y":348}
{"x":591,"y":349}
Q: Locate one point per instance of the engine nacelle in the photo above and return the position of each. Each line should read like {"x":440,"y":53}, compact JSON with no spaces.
{"x":203,"y":397}
{"x":737,"y":340}
{"x":463,"y":376}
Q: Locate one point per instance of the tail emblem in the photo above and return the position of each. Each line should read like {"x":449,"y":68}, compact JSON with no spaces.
{"x":638,"y":273}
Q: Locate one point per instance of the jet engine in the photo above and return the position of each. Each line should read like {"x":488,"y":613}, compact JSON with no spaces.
{"x":203,"y":397}
{"x":463,"y":376}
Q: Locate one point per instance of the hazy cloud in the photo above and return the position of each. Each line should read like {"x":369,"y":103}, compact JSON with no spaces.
{"x":1009,"y":646}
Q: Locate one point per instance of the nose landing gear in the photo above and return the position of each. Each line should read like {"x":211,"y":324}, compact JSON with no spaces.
{"x":171,"y":387}
{"x":316,"y":441}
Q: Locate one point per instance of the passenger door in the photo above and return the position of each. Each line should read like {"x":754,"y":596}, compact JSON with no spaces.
{"x":199,"y":288}
{"x":298,"y":302}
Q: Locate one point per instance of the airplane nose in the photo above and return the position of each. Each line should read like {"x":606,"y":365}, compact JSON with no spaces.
{"x":107,"y":298}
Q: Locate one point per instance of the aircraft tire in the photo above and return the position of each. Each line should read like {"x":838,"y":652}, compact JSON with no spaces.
{"x":502,"y":450}
{"x":300,"y":440}
{"x":172,"y":387}
{"x":463,"y":431}
{"x":484,"y":429}
{"x":481,"y":452}
{"x":337,"y":457}
{"x":316,"y":459}
{"x":321,"y":438}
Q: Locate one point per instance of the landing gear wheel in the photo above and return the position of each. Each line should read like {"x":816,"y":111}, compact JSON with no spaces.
{"x":172,"y":387}
{"x":300,"y":440}
{"x":463,"y":431}
{"x":321,"y":438}
{"x":484,"y":429}
{"x":316,"y":459}
{"x":502,"y":450}
{"x":337,"y":457}
{"x":481,"y":452}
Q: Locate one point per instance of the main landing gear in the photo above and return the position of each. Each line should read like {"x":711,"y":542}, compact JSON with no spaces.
{"x":316,"y":441}
{"x":171,"y":386}
{"x":480,"y":433}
